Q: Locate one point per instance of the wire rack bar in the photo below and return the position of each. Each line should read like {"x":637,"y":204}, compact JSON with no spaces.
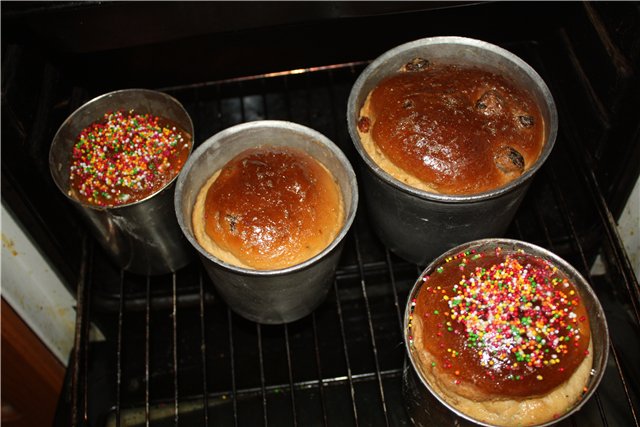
{"x":374,"y":347}
{"x":203,"y":352}
{"x":346,"y":355}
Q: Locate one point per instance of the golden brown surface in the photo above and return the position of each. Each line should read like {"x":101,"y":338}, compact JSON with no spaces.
{"x":271,"y":207}
{"x":502,"y":335}
{"x":505,"y":410}
{"x":455,"y":130}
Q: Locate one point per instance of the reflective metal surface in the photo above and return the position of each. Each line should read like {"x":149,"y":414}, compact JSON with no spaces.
{"x":271,"y":296}
{"x":141,"y":237}
{"x":418,"y":225}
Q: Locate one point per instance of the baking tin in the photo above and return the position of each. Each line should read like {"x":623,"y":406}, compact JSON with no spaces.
{"x":427,"y":408}
{"x":268,"y":296}
{"x":142,"y":237}
{"x":418,"y":225}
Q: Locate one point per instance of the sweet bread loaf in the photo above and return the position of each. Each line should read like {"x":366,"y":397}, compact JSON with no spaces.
{"x":504,"y":337}
{"x":451,"y":129}
{"x":125,"y":158}
{"x":268,"y":208}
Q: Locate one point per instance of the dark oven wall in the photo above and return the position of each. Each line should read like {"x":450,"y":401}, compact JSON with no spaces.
{"x":105,"y":46}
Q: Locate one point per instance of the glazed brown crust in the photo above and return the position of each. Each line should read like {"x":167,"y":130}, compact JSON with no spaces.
{"x":495,"y":370}
{"x":503,"y":337}
{"x":459,"y":130}
{"x":502,"y":410}
{"x":273,"y":207}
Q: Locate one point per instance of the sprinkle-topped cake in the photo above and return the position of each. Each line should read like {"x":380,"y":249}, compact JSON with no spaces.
{"x":503,"y":336}
{"x":126,"y":157}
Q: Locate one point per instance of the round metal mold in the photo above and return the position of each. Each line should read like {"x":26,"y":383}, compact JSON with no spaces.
{"x":268,"y":296}
{"x":416,"y":224}
{"x":426,"y":408}
{"x":143,"y":236}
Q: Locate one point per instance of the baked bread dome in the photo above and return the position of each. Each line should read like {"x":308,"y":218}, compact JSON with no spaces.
{"x":268,"y":208}
{"x":502,"y":336}
{"x":451,"y":129}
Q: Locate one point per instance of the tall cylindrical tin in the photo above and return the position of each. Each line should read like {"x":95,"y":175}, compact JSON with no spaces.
{"x":268,"y":296}
{"x":418,"y":225}
{"x":427,"y":408}
{"x":142,"y":237}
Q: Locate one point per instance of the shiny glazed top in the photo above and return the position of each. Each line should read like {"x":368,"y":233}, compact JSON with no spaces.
{"x":273,"y":207}
{"x":511,"y":324}
{"x":126,"y":157}
{"x":461,"y":130}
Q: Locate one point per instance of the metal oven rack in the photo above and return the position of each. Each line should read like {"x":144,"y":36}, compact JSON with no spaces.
{"x":174,"y":354}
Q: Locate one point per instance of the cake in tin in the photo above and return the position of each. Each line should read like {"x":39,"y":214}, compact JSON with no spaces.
{"x":268,"y":208}
{"x":126,"y":157}
{"x":451,"y":129}
{"x":502,"y":335}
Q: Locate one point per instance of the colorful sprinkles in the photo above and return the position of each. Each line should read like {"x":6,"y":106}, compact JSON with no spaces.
{"x":126,"y":157}
{"x":515,"y":315}
{"x":516,"y":310}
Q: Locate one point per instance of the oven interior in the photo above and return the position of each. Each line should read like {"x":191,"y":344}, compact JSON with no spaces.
{"x":173,"y":353}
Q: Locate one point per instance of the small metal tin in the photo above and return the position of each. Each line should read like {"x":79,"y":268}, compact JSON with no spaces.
{"x":142,"y":237}
{"x":418,"y":225}
{"x":427,"y":408}
{"x":268,"y":296}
